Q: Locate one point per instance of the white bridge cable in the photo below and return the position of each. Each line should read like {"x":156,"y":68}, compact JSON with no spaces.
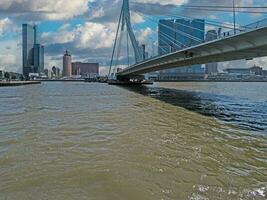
{"x":187,"y":26}
{"x":124,"y":27}
{"x":207,"y":21}
{"x":221,"y":10}
{"x":190,"y":27}
{"x":161,"y":48}
{"x":198,"y":21}
{"x":119,"y":49}
{"x":230,"y":7}
{"x":172,"y":29}
{"x":115,"y":43}
{"x":218,"y":8}
{"x":128,"y":59}
{"x":172,"y":40}
{"x":125,"y":52}
{"x":166,"y":37}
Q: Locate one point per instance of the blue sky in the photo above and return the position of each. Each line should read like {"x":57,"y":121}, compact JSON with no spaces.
{"x":87,"y":27}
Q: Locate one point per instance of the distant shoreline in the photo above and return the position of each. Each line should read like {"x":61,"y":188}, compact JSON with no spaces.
{"x":18,"y":83}
{"x":230,"y":81}
{"x":62,"y":80}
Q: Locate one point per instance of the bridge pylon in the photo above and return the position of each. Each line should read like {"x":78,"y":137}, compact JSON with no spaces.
{"x":125,"y":22}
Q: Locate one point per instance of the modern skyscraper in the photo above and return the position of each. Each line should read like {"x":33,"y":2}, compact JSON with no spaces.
{"x":175,"y":34}
{"x":28,"y":33}
{"x":67,"y":67}
{"x":211,"y":68}
{"x":32,"y":52}
{"x":38,"y":58}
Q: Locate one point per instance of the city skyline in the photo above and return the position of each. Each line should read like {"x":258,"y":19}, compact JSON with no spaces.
{"x":89,"y":33}
{"x":133,"y":99}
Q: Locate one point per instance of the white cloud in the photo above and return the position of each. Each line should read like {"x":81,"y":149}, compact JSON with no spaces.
{"x":165,"y":2}
{"x":48,"y":9}
{"x":10,"y":55}
{"x":262,"y":62}
{"x":103,"y":71}
{"x":63,"y":35}
{"x":88,"y":35}
{"x":136,"y":18}
{"x":144,"y":34}
{"x":5,"y":25}
{"x":7,"y":60}
{"x":94,"y":35}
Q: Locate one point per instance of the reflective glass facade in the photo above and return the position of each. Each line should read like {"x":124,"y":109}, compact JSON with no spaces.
{"x":175,"y":34}
{"x":32,"y":53}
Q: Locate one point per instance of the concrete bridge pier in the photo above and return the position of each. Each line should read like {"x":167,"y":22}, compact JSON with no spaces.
{"x":130,"y":80}
{"x":136,"y":78}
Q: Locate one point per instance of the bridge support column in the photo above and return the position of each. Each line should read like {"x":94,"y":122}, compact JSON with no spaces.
{"x":130,"y":80}
{"x":137,"y":78}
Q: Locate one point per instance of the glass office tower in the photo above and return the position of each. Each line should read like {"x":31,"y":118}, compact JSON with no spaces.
{"x":28,"y":33}
{"x":38,"y":58}
{"x":175,"y":34}
{"x":32,"y":52}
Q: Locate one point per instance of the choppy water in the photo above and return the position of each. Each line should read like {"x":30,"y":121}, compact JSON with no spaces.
{"x":168,"y":141}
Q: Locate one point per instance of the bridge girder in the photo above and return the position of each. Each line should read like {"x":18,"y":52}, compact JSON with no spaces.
{"x":246,"y":45}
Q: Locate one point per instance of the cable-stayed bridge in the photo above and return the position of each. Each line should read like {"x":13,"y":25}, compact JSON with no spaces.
{"x":238,"y":42}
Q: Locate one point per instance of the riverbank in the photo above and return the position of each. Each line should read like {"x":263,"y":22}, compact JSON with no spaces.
{"x":18,"y":83}
{"x":211,"y":81}
{"x":61,"y":80}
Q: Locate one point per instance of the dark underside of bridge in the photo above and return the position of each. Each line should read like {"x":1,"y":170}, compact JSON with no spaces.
{"x":130,"y":80}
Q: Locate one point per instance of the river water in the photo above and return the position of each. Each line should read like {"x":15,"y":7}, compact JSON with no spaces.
{"x":66,"y":141}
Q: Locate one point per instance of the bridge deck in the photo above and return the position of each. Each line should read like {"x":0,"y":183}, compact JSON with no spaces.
{"x":245,"y":45}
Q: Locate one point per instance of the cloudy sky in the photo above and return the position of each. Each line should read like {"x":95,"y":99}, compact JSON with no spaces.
{"x":87,"y":27}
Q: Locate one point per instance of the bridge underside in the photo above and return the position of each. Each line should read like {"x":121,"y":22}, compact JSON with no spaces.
{"x":247,"y":45}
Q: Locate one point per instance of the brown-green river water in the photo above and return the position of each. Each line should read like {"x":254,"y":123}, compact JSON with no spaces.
{"x":169,"y":141}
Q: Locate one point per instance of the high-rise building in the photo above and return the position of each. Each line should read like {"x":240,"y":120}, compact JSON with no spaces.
{"x":211,"y":68}
{"x":56,"y":72}
{"x":38,"y":58}
{"x":175,"y":34}
{"x":67,"y":68}
{"x":28,"y":33}
{"x":32,"y":52}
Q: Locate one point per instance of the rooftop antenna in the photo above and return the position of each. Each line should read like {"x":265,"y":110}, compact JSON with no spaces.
{"x":234,"y":16}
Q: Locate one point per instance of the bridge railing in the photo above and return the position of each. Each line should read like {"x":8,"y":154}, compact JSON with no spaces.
{"x":255,"y":25}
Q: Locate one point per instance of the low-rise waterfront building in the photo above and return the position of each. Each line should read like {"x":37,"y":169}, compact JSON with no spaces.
{"x":264,"y":73}
{"x":1,"y":75}
{"x":48,"y":73}
{"x":256,"y":70}
{"x":182,"y":77}
{"x":85,"y":70}
{"x":240,"y":71}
